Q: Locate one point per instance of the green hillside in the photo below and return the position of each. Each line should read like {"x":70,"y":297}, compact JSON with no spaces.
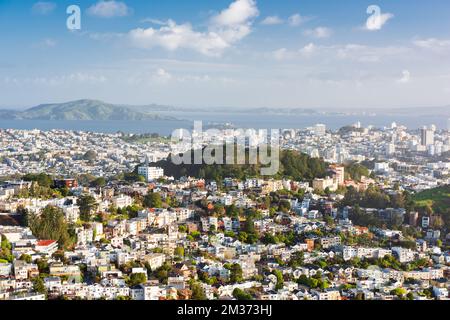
{"x":293,"y":165}
{"x":438,"y":199}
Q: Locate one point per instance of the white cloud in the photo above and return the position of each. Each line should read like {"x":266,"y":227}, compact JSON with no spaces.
{"x":43,"y":7}
{"x":59,"y":80}
{"x":406,"y":77}
{"x":433,"y":44}
{"x":238,"y":13}
{"x":349,"y":52}
{"x":319,"y":32}
{"x":282,"y":54}
{"x":226,"y":28}
{"x":309,"y":49}
{"x":376,"y":22}
{"x":109,"y":9}
{"x":272,"y":20}
{"x":162,"y":76}
{"x":50,"y":43}
{"x":285,"y":54}
{"x":297,"y":20}
{"x":154,"y":21}
{"x":173,"y":37}
{"x":363,"y":53}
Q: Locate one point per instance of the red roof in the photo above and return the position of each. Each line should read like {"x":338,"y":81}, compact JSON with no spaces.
{"x":45,"y":243}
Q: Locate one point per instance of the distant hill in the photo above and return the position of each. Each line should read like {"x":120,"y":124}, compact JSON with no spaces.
{"x":8,"y":114}
{"x":85,"y":110}
{"x":418,"y":111}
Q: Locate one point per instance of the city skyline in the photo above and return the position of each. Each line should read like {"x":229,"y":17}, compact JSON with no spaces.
{"x":241,"y":53}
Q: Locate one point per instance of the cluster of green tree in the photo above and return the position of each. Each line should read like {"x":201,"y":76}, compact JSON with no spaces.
{"x":90,"y":155}
{"x":39,"y":286}
{"x":88,"y":205}
{"x":280,"y":279}
{"x":136,"y":279}
{"x":288,"y":238}
{"x":42,"y":187}
{"x":162,"y":273}
{"x":293,"y":165}
{"x":37,"y":191}
{"x":5,"y":252}
{"x":51,"y":225}
{"x":197,"y":291}
{"x":390,"y":262}
{"x":129,"y":177}
{"x":240,"y":294}
{"x":360,"y":240}
{"x":315,"y":282}
{"x":235,"y":272}
{"x":355,"y":171}
{"x":248,"y":233}
{"x":44,"y":180}
{"x":374,"y":197}
{"x":297,"y":260}
{"x":349,"y":129}
{"x":206,"y":278}
{"x":98,"y":182}
{"x":194,"y":235}
{"x":275,"y":197}
{"x":143,"y":138}
{"x":129,"y":212}
{"x":152,"y":200}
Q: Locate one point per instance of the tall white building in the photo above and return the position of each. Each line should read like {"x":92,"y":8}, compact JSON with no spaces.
{"x":426,"y":136}
{"x":151,"y":173}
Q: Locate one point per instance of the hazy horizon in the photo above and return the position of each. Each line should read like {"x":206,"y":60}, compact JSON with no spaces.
{"x":231,"y":108}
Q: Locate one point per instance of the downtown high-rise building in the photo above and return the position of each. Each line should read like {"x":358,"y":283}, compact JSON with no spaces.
{"x":426,"y":136}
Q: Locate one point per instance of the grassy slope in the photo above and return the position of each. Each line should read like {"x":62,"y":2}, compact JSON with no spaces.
{"x":438,"y":198}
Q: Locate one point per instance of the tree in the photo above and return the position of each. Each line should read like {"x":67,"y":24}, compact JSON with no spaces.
{"x":241,"y":294}
{"x":99,"y":182}
{"x":51,"y":225}
{"x":5,"y":252}
{"x":355,"y":171}
{"x":43,"y":180}
{"x":399,"y":292}
{"x":249,"y":225}
{"x":88,"y":205}
{"x":26,"y":257}
{"x":280,"y":279}
{"x":43,"y":266}
{"x":197,"y":292}
{"x":90,"y":155}
{"x":152,"y":200}
{"x":236,"y":273}
{"x":137,"y":278}
{"x":179,"y":251}
{"x":38,"y":285}
{"x":284,"y":206}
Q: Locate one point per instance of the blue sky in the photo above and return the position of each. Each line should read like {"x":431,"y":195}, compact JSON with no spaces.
{"x":240,"y":53}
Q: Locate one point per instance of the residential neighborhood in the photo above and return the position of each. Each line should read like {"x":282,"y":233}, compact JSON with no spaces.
{"x":86,"y":216}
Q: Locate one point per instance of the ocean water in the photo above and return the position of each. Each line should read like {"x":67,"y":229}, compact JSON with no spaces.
{"x":244,"y":120}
